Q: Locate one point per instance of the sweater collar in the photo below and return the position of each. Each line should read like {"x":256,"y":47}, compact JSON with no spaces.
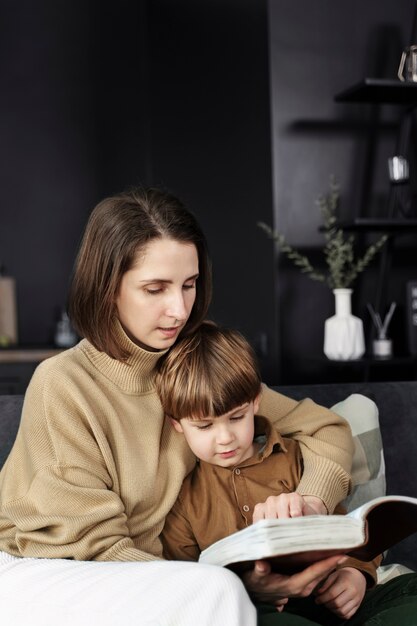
{"x":136,"y":374}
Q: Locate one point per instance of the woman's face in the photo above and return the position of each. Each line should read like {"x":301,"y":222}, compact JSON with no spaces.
{"x":157,"y":294}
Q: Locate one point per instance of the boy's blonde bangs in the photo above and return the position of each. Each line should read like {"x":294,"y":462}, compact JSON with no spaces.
{"x":208,"y":374}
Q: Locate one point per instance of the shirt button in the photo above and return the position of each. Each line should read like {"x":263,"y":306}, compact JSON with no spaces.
{"x":237,"y":471}
{"x":245,"y":508}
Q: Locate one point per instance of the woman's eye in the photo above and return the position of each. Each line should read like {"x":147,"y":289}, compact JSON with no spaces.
{"x":153,"y":292}
{"x":190,"y":286}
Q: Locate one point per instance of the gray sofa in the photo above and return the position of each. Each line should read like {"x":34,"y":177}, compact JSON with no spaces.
{"x":397,"y":404}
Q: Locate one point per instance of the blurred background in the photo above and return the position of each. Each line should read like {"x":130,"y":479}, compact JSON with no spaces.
{"x":230,"y":104}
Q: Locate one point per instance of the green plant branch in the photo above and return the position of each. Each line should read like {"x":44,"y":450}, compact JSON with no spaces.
{"x":339,"y":249}
{"x":298,"y":259}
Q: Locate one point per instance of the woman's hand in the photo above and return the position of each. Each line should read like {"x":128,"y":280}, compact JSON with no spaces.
{"x":288,"y":505}
{"x":342,"y":592}
{"x":272,"y":588}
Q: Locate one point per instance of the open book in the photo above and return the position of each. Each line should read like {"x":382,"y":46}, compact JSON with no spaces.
{"x":293,"y":544}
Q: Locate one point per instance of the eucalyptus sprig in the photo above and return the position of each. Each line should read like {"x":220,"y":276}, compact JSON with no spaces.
{"x":339,"y":249}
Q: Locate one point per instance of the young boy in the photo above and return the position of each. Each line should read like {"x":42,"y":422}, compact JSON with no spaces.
{"x":210,"y":387}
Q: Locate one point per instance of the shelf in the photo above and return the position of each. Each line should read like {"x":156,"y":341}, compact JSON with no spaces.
{"x":387,"y":225}
{"x":368,"y":360}
{"x":380,"y":90}
{"x":26,"y":355}
{"x":365,"y":369}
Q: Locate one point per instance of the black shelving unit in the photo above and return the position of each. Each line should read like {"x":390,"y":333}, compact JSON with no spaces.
{"x":386,"y":225}
{"x":368,"y":368}
{"x":375,"y":93}
{"x":379,"y":92}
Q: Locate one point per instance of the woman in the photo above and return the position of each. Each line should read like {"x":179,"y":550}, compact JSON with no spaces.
{"x":95,"y":468}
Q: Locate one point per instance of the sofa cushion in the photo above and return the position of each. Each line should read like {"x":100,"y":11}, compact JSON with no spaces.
{"x":368,"y":467}
{"x":397,"y":402}
{"x":10,"y":410}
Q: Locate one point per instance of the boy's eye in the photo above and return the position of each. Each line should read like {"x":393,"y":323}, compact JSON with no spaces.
{"x":236,"y":418}
{"x":203,"y":426}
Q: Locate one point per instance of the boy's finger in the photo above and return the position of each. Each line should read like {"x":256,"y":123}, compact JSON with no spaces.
{"x":262,"y":568}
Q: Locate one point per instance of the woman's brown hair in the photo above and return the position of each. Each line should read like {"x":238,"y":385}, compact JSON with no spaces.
{"x":118,"y":229}
{"x":208,"y":374}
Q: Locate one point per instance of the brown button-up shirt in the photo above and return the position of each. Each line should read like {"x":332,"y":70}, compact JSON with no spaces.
{"x":215,"y":501}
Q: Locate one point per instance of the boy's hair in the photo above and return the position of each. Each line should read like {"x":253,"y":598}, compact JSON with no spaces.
{"x":207,"y":374}
{"x":119,"y":228}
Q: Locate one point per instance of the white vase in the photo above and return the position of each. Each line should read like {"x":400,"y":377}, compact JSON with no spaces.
{"x":343,"y":332}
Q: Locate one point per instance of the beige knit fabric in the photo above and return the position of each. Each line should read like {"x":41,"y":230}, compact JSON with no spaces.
{"x":95,"y":467}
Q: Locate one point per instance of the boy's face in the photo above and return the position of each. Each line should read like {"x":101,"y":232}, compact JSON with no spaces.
{"x":226,"y":440}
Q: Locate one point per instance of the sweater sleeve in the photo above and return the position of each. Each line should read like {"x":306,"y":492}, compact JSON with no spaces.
{"x":368,"y":569}
{"x":68,"y":512}
{"x":325,"y":440}
{"x":58,"y":494}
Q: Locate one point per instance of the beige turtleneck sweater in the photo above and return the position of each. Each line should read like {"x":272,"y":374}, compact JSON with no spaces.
{"x":95,"y":467}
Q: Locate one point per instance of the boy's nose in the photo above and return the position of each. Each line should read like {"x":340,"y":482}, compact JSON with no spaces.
{"x":224,"y":436}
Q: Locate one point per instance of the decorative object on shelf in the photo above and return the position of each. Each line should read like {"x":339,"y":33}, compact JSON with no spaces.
{"x":382,"y":346}
{"x":339,"y":249}
{"x":8,"y":310}
{"x":398,"y":169}
{"x":65,"y":336}
{"x":343,"y":335}
{"x":343,"y":332}
{"x":399,"y":176}
{"x":407,"y":70}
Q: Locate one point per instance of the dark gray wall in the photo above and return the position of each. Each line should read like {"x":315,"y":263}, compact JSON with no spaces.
{"x":72,"y":122}
{"x":97,"y":96}
{"x":318,"y":49}
{"x":211,"y":145}
{"x":47,"y":155}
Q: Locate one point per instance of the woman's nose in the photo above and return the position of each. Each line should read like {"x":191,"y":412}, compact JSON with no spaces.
{"x":177,"y":307}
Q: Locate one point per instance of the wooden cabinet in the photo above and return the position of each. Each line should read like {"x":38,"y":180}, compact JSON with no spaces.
{"x":17,"y":366}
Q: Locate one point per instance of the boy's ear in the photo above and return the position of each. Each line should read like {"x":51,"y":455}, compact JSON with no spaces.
{"x":176,"y":425}
{"x":256,"y":403}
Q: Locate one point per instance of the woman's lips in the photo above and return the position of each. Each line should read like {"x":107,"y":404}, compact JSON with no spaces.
{"x":170,"y":332}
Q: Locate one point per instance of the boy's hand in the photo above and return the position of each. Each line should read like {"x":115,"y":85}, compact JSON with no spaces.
{"x":288,"y":505}
{"x":342,"y":592}
{"x":272,"y":588}
{"x":314,"y":506}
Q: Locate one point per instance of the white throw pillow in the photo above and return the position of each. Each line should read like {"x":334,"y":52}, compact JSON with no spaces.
{"x":368,"y":467}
